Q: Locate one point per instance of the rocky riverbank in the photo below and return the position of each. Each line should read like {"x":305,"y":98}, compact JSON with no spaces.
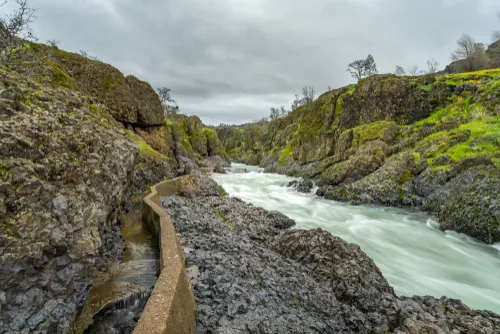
{"x":430,"y":142}
{"x":80,"y":143}
{"x":251,"y":274}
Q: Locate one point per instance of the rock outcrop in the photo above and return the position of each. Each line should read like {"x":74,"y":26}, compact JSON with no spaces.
{"x":65,"y":165}
{"x":129,"y":100}
{"x":431,"y":142}
{"x":482,"y":61}
{"x":251,"y":275}
{"x":67,"y":168}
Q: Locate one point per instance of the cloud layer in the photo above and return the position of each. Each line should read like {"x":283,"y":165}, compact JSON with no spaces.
{"x":231,"y":60}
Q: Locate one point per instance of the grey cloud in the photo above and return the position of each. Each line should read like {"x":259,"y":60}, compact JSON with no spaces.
{"x":230,"y":61}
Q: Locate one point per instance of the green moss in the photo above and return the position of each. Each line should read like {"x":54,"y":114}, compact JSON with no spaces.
{"x":369,"y":132}
{"x":484,"y":139}
{"x":222,"y":192}
{"x":407,"y":176}
{"x":223,"y":219}
{"x":58,"y":75}
{"x":496,"y":162}
{"x":416,"y":157}
{"x":285,"y":154}
{"x":144,"y":148}
{"x":110,"y":80}
{"x":3,"y":171}
{"x":95,"y":109}
{"x":236,"y":150}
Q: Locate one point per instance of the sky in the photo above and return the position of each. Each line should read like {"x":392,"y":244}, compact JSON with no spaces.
{"x":230,"y":61}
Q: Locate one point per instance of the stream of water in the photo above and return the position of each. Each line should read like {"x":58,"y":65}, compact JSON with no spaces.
{"x":414,"y":255}
{"x":118,"y":296}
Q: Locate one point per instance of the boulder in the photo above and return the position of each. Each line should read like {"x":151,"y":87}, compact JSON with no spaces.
{"x":302,"y":186}
{"x":147,"y":104}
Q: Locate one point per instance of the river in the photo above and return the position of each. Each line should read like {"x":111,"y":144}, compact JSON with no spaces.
{"x":414,"y":255}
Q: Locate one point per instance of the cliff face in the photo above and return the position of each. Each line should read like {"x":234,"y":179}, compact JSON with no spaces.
{"x":128,"y":99}
{"x":79,"y":141}
{"x":431,"y":142}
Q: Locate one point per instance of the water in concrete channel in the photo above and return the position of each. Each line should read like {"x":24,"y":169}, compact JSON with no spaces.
{"x":118,"y":297}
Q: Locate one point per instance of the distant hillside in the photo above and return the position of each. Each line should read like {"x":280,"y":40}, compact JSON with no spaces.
{"x":432,"y":142}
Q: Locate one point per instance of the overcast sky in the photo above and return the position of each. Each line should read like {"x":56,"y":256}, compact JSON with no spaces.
{"x":231,"y":60}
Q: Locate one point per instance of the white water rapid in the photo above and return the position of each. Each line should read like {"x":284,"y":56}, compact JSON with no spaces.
{"x":414,"y":255}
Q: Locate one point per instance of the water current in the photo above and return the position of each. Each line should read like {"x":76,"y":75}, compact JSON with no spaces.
{"x":413,"y":254}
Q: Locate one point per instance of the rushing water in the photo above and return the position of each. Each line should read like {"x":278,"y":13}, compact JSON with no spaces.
{"x":414,"y":255}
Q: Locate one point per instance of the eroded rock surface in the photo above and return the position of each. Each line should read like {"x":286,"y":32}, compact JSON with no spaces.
{"x":250,"y":274}
{"x":66,"y":166}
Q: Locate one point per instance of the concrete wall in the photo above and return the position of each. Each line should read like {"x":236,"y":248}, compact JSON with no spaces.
{"x":171,"y":309}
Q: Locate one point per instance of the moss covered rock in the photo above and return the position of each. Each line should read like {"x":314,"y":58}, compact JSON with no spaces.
{"x":431,"y":142}
{"x":194,"y":128}
{"x":148,"y":107}
{"x":129,"y":100}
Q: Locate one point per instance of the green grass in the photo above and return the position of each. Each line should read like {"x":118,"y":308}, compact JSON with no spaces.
{"x":144,"y":147}
{"x":479,"y":137}
{"x":484,"y":140}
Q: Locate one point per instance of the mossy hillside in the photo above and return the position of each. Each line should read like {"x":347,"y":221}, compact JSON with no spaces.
{"x":131,"y":101}
{"x":159,"y":138}
{"x":245,"y":143}
{"x":192,"y":139}
{"x":420,"y":103}
{"x":197,"y":138}
{"x":214,"y":146}
{"x":431,"y":142}
{"x":145,"y":150}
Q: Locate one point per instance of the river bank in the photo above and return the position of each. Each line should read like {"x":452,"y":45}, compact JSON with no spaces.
{"x":250,"y":273}
{"x":416,"y":257}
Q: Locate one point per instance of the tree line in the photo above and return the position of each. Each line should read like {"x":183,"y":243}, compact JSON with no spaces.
{"x":472,"y":54}
{"x":306,"y":98}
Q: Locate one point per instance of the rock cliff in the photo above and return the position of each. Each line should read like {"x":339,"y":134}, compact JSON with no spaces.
{"x":431,"y":142}
{"x":79,"y":143}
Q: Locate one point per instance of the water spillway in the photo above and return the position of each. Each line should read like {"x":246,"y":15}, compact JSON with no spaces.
{"x":414,"y":255}
{"x":118,"y":296}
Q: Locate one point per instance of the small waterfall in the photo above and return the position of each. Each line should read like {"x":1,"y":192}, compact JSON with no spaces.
{"x":118,"y":296}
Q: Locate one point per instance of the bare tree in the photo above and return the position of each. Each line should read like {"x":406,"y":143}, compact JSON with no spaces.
{"x":297,"y":102}
{"x":399,"y":71}
{"x":432,"y":66}
{"x":495,"y":35}
{"x":480,"y":59}
{"x":53,"y":43}
{"x":307,"y":94}
{"x":168,"y":103}
{"x":414,"y":71}
{"x":283,"y":111}
{"x":362,"y":68}
{"x":468,"y":50}
{"x":357,"y":69}
{"x":85,"y":54}
{"x":15,"y":32}
{"x":275,"y":114}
